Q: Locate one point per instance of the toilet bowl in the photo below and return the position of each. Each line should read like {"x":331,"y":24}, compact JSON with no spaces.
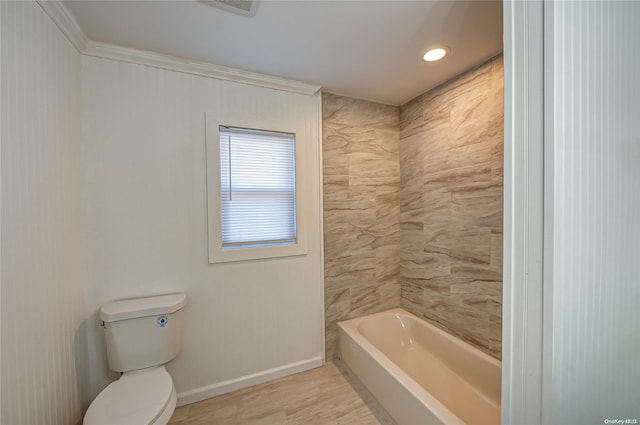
{"x":141,"y":397}
{"x":141,"y":336}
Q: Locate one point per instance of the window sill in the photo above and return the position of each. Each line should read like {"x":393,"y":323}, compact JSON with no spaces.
{"x":220,"y":255}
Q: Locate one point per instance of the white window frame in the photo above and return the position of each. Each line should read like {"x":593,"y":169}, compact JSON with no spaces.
{"x":218,"y":254}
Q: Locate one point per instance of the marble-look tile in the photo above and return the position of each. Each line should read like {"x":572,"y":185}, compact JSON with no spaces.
{"x":361,"y":189}
{"x":468,"y":323}
{"x":497,"y":153}
{"x":471,"y":244}
{"x":412,"y":206}
{"x":436,"y":306}
{"x":387,"y":262}
{"x":443,"y":284}
{"x":374,"y":298}
{"x":331,"y":340}
{"x":451,"y":205}
{"x":476,"y":271}
{"x":411,"y":245}
{"x":412,"y":152}
{"x":479,"y":207}
{"x":463,"y":175}
{"x":388,"y":292}
{"x":437,"y":238}
{"x":338,"y":301}
{"x":363,"y":300}
{"x":482,"y":295}
{"x":496,"y":248}
{"x":358,"y":113}
{"x":350,"y":279}
{"x":411,"y":296}
{"x":410,"y":116}
{"x":495,"y":334}
{"x":436,"y":204}
{"x":445,"y":158}
{"x":425,"y":265}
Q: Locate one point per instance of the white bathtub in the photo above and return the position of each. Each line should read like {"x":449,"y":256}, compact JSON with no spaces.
{"x":420,"y":374}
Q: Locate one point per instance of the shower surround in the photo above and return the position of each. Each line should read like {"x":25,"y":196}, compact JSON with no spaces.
{"x":361,"y":191}
{"x":451,"y":163}
{"x":413,"y":207}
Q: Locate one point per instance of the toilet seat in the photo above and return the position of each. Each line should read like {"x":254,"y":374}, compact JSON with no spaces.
{"x":138,"y":398}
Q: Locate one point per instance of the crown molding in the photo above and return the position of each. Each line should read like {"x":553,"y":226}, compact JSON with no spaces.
{"x":205,"y":69}
{"x":64,"y":20}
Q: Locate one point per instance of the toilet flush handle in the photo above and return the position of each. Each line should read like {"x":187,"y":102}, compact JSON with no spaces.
{"x":101,"y":323}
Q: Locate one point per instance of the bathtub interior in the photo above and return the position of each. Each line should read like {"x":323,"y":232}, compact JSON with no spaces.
{"x":462,"y":378}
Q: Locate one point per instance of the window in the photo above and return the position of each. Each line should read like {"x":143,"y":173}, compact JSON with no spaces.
{"x":256,"y":208}
{"x":257,"y":188}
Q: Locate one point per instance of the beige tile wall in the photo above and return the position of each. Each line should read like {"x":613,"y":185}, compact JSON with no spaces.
{"x":361,"y":210}
{"x":451,"y":153}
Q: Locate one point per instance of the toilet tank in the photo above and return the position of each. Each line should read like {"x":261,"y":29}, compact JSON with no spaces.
{"x":143,"y":332}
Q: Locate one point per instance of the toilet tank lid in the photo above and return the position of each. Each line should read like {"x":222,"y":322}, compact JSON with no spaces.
{"x":141,"y":307}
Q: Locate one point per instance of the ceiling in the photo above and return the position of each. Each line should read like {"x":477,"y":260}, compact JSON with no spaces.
{"x":366,"y":49}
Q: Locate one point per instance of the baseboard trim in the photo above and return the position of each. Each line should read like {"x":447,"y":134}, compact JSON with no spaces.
{"x":203,"y":393}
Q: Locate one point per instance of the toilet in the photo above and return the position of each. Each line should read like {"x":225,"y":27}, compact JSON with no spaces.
{"x":142,"y":335}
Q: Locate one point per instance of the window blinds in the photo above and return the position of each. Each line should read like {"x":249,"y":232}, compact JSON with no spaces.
{"x":257,"y":186}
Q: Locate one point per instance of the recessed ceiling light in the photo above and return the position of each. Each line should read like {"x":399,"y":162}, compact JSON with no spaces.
{"x":435,"y":54}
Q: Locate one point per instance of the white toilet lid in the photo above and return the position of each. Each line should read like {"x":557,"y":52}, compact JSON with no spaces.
{"x":137,"y":398}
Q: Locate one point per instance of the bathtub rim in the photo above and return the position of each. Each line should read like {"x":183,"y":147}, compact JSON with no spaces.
{"x":443,"y":413}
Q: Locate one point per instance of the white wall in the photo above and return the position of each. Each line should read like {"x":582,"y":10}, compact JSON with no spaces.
{"x":43,"y":282}
{"x":144,"y":155}
{"x":594,"y":117}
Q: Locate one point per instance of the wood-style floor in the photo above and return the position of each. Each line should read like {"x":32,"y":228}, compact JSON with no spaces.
{"x":324,"y":396}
